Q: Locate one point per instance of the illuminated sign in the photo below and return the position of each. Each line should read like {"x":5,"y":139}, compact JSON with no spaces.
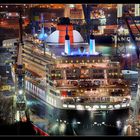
{"x":75,"y":13}
{"x":127,"y":39}
{"x":5,"y":88}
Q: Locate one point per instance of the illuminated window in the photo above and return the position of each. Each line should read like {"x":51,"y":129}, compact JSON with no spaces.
{"x":71,"y":5}
{"x":77,"y":61}
{"x":71,"y":61}
{"x":82,"y":61}
{"x":93,"y":61}
{"x":88,"y":61}
{"x":66,"y":61}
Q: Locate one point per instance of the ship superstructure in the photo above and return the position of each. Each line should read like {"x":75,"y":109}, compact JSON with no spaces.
{"x":74,"y":76}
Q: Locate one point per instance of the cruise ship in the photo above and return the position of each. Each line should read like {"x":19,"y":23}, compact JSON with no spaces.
{"x":72,"y":75}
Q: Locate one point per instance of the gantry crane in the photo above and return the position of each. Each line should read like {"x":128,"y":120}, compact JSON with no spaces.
{"x":21,"y":110}
{"x":20,"y":103}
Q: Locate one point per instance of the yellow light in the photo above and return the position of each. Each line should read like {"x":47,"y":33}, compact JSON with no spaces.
{"x":77,"y":61}
{"x":93,"y":61}
{"x":66,"y":61}
{"x":71,"y":61}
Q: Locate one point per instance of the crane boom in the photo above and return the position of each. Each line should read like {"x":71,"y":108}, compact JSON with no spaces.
{"x":126,"y":16}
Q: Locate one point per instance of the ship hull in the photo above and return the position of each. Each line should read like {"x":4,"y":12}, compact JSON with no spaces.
{"x":57,"y":101}
{"x":88,"y":122}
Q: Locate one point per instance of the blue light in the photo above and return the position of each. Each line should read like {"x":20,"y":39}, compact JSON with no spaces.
{"x":72,"y":53}
{"x":132,"y":47}
{"x":67,"y":47}
{"x":92,"y":46}
{"x":42,"y":36}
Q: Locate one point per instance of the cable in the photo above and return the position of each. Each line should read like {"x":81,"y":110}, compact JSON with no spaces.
{"x":131,"y":34}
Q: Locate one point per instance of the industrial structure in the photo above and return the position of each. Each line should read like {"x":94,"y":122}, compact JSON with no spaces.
{"x":20,"y":103}
{"x":21,"y":106}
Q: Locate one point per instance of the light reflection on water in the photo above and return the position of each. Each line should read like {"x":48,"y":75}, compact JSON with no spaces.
{"x":73,"y":122}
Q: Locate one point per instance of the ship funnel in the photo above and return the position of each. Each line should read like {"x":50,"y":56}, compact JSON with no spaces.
{"x":67,"y":42}
{"x":92,"y":45}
